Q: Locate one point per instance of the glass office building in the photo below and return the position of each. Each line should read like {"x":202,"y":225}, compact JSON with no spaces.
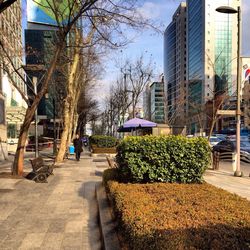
{"x":211,"y":60}
{"x":175,"y":67}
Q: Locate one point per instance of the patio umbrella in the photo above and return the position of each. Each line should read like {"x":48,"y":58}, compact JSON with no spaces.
{"x":136,"y":123}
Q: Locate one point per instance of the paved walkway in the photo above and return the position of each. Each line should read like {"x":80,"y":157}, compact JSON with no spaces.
{"x":224,"y":179}
{"x":60,"y":214}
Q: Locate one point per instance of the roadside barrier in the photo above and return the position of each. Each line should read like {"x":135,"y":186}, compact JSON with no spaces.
{"x":228,"y":156}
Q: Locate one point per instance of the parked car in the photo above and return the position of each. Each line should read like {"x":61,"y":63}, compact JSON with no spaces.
{"x":213,"y":140}
{"x":230,"y":146}
{"x":220,"y":136}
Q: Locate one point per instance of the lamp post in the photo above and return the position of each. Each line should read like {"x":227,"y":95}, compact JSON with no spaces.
{"x":54,"y":127}
{"x":34,"y":79}
{"x":230,"y":10}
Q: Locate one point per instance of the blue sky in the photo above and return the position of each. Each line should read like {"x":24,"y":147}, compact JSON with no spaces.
{"x":152,"y":43}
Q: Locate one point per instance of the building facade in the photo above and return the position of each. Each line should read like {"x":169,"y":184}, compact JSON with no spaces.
{"x":147,"y":103}
{"x":175,"y":67}
{"x":40,"y":41}
{"x":157,"y":111}
{"x":211,"y":58}
{"x":13,"y":103}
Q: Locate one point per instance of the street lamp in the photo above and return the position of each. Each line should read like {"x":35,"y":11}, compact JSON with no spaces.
{"x":230,"y":10}
{"x":34,"y":79}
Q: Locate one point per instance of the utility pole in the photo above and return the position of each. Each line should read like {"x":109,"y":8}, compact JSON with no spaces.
{"x":34,"y":79}
{"x":54,"y":126}
{"x":238,"y":110}
{"x":230,"y":10}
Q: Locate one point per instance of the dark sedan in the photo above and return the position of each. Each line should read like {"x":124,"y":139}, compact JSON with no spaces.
{"x":230,"y":146}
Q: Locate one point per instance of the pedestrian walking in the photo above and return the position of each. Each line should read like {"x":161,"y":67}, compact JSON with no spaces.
{"x":78,"y":147}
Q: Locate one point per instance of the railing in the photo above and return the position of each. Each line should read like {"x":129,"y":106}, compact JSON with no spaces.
{"x":229,"y":156}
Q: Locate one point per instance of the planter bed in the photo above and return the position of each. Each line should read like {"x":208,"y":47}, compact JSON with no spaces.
{"x":97,"y":150}
{"x":179,"y":216}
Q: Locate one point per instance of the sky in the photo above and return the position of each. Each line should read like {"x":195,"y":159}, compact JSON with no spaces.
{"x":151,"y":43}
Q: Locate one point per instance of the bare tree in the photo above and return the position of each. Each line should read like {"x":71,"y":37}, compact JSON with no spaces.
{"x":139,"y":75}
{"x":107,"y":18}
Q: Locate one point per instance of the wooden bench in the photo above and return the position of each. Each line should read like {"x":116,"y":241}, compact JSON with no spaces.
{"x":41,"y":171}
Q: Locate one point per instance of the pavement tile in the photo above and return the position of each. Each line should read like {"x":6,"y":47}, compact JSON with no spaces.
{"x":32,"y":240}
{"x":55,"y":215}
{"x":3,"y":235}
{"x":223,"y":178}
{"x":72,"y":239}
{"x":57,"y":226}
{"x":6,"y":209}
{"x":52,"y":241}
{"x":74,"y":226}
{"x":75,"y":210}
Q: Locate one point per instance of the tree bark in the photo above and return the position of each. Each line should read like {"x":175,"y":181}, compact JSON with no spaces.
{"x":69,"y":107}
{"x":64,"y":138}
{"x":17,"y":168}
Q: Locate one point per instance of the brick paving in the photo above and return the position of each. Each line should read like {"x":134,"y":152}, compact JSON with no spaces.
{"x":223,"y":178}
{"x":60,"y":214}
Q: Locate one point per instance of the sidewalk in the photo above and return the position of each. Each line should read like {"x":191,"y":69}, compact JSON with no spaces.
{"x":223,"y":178}
{"x":60,"y":214}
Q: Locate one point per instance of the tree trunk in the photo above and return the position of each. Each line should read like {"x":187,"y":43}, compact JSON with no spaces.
{"x":17,"y":168}
{"x":64,"y":138}
{"x":69,"y":107}
{"x":75,"y":125}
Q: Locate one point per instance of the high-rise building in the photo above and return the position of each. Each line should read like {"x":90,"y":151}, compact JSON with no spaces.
{"x":157,"y":113}
{"x":212,"y":58}
{"x":175,"y":67}
{"x":12,"y":106}
{"x":40,"y":41}
{"x":147,"y":103}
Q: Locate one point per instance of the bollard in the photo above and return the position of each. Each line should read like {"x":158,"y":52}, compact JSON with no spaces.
{"x":216,"y":159}
{"x":234,"y":156}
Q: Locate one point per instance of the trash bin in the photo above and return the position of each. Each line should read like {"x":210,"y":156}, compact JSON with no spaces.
{"x":71,"y":150}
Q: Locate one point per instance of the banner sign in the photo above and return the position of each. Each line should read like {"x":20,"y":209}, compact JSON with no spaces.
{"x":39,"y":11}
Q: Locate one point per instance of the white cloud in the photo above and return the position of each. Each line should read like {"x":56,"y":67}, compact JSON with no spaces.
{"x":150,"y":10}
{"x":159,"y":9}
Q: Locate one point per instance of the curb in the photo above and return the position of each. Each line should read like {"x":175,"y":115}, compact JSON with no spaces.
{"x":102,"y":155}
{"x":107,"y":226}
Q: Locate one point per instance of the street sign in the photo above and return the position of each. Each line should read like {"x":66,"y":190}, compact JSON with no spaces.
{"x":226,"y":112}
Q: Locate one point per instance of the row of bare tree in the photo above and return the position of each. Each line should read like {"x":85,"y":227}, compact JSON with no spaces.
{"x":85,"y":31}
{"x":126,"y":93}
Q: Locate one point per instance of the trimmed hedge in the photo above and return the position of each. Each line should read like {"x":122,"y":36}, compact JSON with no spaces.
{"x":103,"y":141}
{"x":179,"y":216}
{"x":163,"y":159}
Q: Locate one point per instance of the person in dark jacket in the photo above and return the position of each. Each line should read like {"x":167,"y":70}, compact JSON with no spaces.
{"x":78,"y":147}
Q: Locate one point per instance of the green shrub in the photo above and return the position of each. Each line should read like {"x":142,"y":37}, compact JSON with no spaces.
{"x":109,"y":174}
{"x":161,"y":216}
{"x":163,"y":159}
{"x":103,"y":141}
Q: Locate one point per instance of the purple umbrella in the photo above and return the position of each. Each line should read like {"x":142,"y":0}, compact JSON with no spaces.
{"x":136,"y":123}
